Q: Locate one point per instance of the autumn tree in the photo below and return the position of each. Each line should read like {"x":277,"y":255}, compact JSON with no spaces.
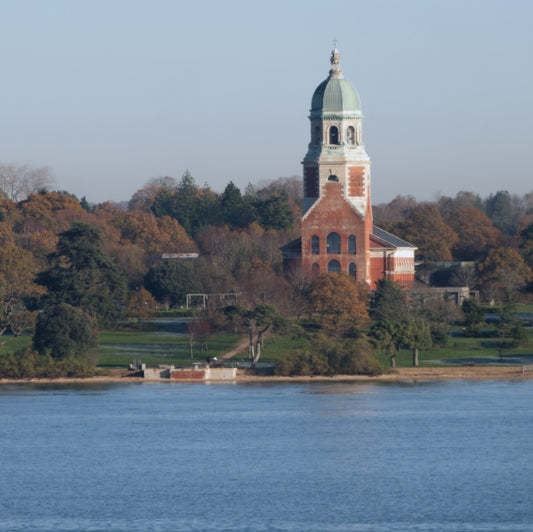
{"x":390,"y":214}
{"x":143,"y":199}
{"x":476,"y":234}
{"x":503,"y":272}
{"x":340,"y":304}
{"x":425,"y":228}
{"x":228,"y":250}
{"x":141,"y":305}
{"x":17,"y":275}
{"x":463,"y":199}
{"x":42,"y":216}
{"x":199,"y":331}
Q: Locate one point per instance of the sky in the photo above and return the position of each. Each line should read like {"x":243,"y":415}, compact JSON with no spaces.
{"x":109,"y":94}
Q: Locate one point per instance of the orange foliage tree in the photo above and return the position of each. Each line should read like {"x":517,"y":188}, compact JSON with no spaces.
{"x":425,"y":228}
{"x":340,"y":303}
{"x":476,"y":234}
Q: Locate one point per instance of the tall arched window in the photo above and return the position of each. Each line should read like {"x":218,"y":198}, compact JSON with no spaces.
{"x":334,"y":243}
{"x":316,"y":269}
{"x":333,"y":135}
{"x":350,"y":135}
{"x":351,"y":244}
{"x":352,"y":270}
{"x":315,"y":245}
{"x":334,"y":266}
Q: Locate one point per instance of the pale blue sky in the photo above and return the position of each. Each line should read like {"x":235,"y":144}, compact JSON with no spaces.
{"x":112,"y":93}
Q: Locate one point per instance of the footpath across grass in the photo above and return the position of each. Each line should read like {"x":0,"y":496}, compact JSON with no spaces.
{"x":154,"y":347}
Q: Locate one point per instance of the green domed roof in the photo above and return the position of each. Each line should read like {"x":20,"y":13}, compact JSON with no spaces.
{"x":335,"y":94}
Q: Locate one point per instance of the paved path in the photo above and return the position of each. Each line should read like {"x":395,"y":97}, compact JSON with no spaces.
{"x":241,"y":347}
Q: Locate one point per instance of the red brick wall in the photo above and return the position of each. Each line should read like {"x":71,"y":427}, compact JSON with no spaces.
{"x":357,"y":183}
{"x":382,"y":266}
{"x":333,"y":213}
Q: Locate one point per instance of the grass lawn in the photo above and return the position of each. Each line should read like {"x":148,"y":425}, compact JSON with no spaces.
{"x":154,"y":347}
{"x":462,"y":350}
{"x":276,"y":346}
{"x":10,"y":344}
{"x":166,"y":342}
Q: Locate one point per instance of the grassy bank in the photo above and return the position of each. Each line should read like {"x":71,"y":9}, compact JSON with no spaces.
{"x":165,"y":341}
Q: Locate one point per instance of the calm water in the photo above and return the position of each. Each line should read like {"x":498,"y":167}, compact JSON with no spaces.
{"x":440,"y":456}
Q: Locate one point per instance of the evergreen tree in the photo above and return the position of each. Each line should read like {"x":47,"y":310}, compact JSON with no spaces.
{"x":83,"y":276}
{"x":171,"y":281}
{"x":64,"y":331}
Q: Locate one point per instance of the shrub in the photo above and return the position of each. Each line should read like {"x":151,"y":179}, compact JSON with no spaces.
{"x":302,"y":363}
{"x":329,"y":357}
{"x":64,"y":331}
{"x":28,"y":363}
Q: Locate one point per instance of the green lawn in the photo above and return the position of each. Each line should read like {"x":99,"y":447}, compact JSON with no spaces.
{"x":10,"y":344}
{"x":166,"y":343}
{"x":461,"y":350}
{"x":119,"y":348}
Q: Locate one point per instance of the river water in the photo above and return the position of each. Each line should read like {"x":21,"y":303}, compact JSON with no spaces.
{"x":427,"y":456}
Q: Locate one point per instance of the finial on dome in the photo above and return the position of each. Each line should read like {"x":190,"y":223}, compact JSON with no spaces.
{"x":335,"y":71}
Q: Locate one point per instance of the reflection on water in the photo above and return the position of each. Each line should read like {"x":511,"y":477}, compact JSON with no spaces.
{"x":451,"y":455}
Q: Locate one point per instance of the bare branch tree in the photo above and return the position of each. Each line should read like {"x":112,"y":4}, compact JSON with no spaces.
{"x":18,"y":182}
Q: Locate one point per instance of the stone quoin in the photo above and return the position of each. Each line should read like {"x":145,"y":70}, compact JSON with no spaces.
{"x":338,"y":235}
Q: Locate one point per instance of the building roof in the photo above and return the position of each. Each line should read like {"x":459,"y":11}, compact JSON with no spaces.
{"x":335,"y":94}
{"x":293,"y":249}
{"x":391,"y":240}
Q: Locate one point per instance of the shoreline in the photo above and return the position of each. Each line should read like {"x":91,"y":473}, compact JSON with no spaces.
{"x":396,"y":375}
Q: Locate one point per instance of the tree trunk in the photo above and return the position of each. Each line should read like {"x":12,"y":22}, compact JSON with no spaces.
{"x":415,"y":356}
{"x":393,"y":361}
{"x":259,"y":345}
{"x":251,"y":344}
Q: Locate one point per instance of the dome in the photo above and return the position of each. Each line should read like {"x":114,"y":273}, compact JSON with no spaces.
{"x":335,"y":94}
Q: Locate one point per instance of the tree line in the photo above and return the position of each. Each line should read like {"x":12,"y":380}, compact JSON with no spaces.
{"x":69,"y":269}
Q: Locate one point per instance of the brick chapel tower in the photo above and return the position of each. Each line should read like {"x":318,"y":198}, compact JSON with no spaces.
{"x":337,"y":215}
{"x":338,"y":235}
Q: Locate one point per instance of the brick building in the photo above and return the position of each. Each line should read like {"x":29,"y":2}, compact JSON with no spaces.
{"x":337,"y":230}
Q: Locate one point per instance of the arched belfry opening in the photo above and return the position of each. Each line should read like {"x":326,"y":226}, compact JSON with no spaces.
{"x":334,"y":135}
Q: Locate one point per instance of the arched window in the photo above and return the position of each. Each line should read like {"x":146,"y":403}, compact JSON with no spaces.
{"x":334,"y":243}
{"x":350,"y":135}
{"x":333,"y":177}
{"x":352,"y":270}
{"x":316,"y":269}
{"x":351,"y":244}
{"x":315,"y":245}
{"x":333,"y":135}
{"x":334,"y":266}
